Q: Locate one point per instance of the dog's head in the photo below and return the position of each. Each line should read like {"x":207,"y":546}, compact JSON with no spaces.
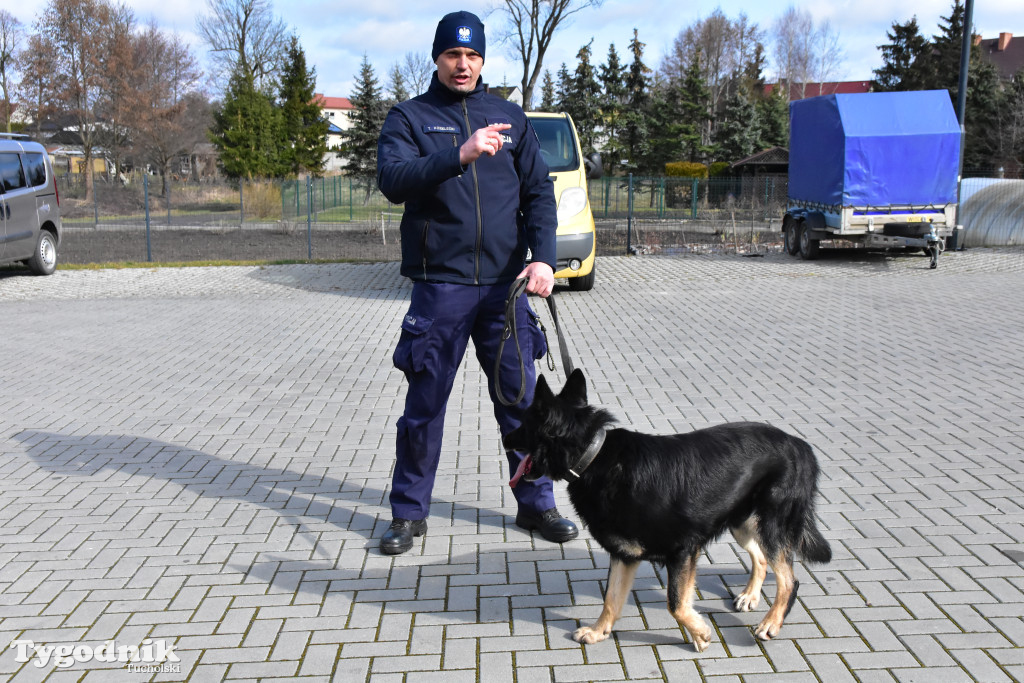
{"x":555,"y":429}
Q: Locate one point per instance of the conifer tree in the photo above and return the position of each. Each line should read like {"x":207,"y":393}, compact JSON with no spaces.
{"x":903,"y":59}
{"x":613,"y":102}
{"x":304,"y":126}
{"x":773,"y":120}
{"x":547,"y":92}
{"x":583,"y":101}
{"x":563,"y":88}
{"x":247,"y":131}
{"x":359,"y":148}
{"x":736,"y":135}
{"x":944,"y":53}
{"x":695,"y":112}
{"x":634,"y":136}
{"x":398,"y":91}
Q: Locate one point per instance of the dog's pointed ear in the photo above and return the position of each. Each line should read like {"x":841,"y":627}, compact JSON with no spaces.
{"x":575,"y":389}
{"x":542,"y":392}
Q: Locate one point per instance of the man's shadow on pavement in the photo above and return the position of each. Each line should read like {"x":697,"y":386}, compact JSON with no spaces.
{"x":302,"y":501}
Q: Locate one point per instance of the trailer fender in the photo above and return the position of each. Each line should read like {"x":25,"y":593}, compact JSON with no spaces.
{"x":814,"y":222}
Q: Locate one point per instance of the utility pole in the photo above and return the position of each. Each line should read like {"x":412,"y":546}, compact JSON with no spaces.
{"x":961,"y":107}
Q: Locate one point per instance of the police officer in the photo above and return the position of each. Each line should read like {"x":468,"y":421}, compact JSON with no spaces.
{"x":477,"y":194}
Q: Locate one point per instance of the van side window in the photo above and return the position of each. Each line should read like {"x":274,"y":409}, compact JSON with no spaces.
{"x":11,"y":173}
{"x":35,"y":168}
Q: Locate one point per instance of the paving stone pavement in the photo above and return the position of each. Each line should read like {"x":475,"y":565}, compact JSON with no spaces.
{"x":198,"y":459}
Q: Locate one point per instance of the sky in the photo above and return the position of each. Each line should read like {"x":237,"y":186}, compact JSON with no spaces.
{"x":337,"y":34}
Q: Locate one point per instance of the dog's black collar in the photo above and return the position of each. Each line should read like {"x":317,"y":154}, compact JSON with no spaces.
{"x":588,"y":455}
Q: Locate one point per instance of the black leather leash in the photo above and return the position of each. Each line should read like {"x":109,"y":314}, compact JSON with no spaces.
{"x":511,"y":330}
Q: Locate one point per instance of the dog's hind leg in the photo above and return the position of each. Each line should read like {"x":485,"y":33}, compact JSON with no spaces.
{"x":620,"y":582}
{"x":682,"y":580}
{"x":746,"y":536}
{"x":785,"y":596}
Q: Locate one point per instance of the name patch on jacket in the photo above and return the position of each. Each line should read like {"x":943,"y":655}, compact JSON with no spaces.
{"x":441,"y":129}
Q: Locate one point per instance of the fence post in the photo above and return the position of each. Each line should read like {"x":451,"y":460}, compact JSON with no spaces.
{"x":309,"y":217}
{"x":95,"y":199}
{"x":241,"y":203}
{"x":350,"y":214}
{"x":145,"y":194}
{"x":629,"y":216}
{"x":693,"y":199}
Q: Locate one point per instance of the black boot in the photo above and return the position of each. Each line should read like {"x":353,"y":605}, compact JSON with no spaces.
{"x":553,"y":526}
{"x":398,"y":538}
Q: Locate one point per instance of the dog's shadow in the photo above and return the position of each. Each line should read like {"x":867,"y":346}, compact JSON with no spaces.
{"x":351,"y":510}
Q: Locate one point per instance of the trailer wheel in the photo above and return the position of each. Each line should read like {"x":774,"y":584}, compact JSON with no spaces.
{"x":808,"y":246}
{"x":791,"y":235}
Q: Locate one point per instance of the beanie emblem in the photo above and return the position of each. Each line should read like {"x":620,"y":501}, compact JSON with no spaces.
{"x":465,"y":34}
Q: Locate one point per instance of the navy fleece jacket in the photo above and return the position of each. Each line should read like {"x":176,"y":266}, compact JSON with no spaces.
{"x":473,"y":224}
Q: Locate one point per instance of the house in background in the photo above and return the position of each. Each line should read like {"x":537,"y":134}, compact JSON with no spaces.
{"x":1005,"y":52}
{"x":338,"y":112}
{"x":800,"y":91}
{"x":512,"y":93}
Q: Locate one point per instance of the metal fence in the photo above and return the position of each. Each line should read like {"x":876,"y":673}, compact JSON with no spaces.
{"x":342,"y":218}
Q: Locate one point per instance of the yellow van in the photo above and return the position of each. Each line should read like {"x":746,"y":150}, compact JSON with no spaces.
{"x":576,"y":238}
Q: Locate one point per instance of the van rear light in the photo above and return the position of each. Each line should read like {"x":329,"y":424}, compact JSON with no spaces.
{"x":56,"y":193}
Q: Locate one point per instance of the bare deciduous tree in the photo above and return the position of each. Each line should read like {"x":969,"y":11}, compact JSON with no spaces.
{"x":828,"y":55}
{"x":725,"y":47}
{"x":165,"y":127}
{"x":10,"y":33}
{"x":40,"y":80}
{"x":531,"y":26}
{"x":245,"y":35}
{"x":792,"y":41}
{"x":416,"y":70}
{"x":804,"y":52}
{"x":121,"y":74}
{"x":76,"y":31}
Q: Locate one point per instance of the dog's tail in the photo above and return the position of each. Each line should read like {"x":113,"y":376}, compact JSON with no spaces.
{"x":813,"y":546}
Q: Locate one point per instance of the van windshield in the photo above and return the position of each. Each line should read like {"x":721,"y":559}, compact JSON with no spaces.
{"x":557,"y":144}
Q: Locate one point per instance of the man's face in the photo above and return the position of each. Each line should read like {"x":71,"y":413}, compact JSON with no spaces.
{"x":458,"y":68}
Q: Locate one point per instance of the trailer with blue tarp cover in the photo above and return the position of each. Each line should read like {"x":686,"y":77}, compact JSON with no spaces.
{"x":877,"y":169}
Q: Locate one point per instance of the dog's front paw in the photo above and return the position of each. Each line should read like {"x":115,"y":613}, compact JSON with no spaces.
{"x":768,"y":629}
{"x":746,"y":602}
{"x":589,"y":635}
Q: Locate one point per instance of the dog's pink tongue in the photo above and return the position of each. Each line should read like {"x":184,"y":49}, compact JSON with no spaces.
{"x":524,"y":466}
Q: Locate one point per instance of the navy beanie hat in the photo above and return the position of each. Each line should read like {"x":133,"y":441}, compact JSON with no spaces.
{"x":459,"y":29}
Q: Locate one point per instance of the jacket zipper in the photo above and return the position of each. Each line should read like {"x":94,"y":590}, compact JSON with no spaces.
{"x":476,"y":191}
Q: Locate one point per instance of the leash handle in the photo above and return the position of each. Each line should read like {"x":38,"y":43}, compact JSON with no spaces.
{"x":511,"y":329}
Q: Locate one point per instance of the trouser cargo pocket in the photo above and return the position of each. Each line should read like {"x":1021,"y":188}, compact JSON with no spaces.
{"x":413,"y":347}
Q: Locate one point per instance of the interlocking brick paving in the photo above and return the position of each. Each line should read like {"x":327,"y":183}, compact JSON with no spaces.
{"x":200,"y":457}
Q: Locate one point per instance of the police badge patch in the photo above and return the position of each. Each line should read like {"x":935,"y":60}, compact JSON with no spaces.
{"x":465,"y":34}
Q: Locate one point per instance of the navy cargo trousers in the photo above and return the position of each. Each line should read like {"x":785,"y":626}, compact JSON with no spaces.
{"x":442,"y":318}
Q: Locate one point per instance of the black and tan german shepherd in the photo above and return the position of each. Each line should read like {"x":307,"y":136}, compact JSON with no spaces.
{"x":664,"y":498}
